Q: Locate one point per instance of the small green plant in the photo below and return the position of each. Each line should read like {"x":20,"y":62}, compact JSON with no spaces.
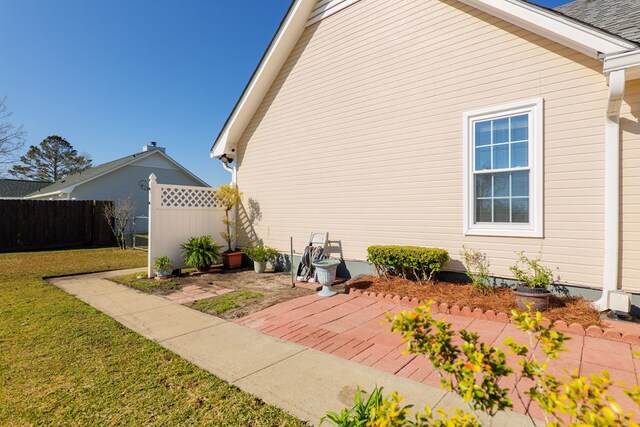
{"x":531,"y":273}
{"x":162,"y":263}
{"x":228,"y":196}
{"x":360,"y":414}
{"x":422,"y":263}
{"x":260,"y":253}
{"x":476,"y":266}
{"x":200,"y":252}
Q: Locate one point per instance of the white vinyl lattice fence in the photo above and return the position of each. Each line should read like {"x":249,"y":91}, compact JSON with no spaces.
{"x":177,"y":212}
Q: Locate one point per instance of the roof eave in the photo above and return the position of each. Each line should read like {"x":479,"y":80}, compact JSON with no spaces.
{"x":53,"y":193}
{"x":628,"y":61}
{"x":274,"y":58}
{"x":555,"y":26}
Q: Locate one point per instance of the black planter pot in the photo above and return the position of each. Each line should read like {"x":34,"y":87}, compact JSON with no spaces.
{"x":536,"y":297}
{"x":203,"y":269}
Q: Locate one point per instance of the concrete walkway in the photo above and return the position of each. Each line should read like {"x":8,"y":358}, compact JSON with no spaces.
{"x":301,"y":380}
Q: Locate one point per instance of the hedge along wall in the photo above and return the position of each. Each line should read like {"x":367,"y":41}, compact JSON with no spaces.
{"x":418,"y":261}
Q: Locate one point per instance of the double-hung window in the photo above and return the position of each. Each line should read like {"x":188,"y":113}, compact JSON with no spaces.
{"x":503,"y":152}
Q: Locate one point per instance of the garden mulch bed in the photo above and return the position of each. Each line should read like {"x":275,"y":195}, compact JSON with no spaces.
{"x":568,"y":309}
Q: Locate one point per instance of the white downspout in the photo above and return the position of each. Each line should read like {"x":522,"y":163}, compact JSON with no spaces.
{"x":232,"y":171}
{"x":234,"y":183}
{"x":612,"y":189}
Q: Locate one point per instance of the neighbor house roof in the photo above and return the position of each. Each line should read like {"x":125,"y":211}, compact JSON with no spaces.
{"x":15,"y":188}
{"x":619,"y":17}
{"x":68,"y":183}
{"x":596,"y":42}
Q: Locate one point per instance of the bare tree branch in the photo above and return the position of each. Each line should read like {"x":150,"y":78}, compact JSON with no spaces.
{"x":12,"y":137}
{"x":118,"y":215}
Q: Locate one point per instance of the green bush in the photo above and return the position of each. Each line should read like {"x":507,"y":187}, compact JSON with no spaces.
{"x":200,"y":252}
{"x":260,"y":253}
{"x":162,"y":263}
{"x":476,"y":266}
{"x":420,"y":262}
{"x":531,"y":273}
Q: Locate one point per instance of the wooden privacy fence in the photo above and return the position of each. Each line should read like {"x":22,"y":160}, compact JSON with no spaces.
{"x":53,"y":224}
{"x":177,"y":212}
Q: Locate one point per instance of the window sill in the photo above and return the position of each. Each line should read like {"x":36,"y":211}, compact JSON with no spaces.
{"x":504,"y":232}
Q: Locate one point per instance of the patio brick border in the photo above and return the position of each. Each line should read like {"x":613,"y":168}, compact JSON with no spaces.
{"x":478,"y":313}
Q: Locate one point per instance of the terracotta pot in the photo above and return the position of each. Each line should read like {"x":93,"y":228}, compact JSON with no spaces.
{"x":538,"y":298}
{"x":259,"y":266}
{"x":232,"y":259}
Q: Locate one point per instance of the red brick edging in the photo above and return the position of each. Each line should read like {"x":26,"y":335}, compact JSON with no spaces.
{"x":478,"y":313}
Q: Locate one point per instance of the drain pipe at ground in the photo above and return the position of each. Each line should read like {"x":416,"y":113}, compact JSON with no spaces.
{"x":612,"y":189}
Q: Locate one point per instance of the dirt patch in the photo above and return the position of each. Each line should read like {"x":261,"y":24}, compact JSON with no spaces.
{"x":273,"y":287}
{"x":569,"y":309}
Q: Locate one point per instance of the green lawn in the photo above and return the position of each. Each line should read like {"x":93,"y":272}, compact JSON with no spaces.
{"x":146,"y":285}
{"x":64,"y":363}
{"x":226,"y":302}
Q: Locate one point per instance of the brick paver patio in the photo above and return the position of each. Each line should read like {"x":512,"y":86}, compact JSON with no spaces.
{"x":352,"y":327}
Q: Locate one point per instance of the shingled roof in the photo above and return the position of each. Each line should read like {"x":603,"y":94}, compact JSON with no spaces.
{"x":88,"y":174}
{"x":19,"y":188}
{"x":619,"y":17}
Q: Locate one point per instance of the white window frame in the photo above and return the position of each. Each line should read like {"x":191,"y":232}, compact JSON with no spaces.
{"x":534,"y":228}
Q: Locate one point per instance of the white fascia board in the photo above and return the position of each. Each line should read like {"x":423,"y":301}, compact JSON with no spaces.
{"x":53,"y":193}
{"x":267,"y":71}
{"x":220,"y":146}
{"x":328,"y":8}
{"x":568,"y":32}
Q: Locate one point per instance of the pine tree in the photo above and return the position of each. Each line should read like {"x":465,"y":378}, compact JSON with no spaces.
{"x":50,"y":161}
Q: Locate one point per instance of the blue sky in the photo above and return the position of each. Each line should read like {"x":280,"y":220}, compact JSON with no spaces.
{"x":110,"y":76}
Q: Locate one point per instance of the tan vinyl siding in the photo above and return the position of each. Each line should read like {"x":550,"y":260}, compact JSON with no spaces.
{"x":630,"y":176}
{"x":361,"y":136}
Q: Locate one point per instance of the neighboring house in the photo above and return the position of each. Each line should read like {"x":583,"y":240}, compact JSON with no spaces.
{"x":495,"y":124}
{"x":18,"y":188}
{"x":116,"y":179}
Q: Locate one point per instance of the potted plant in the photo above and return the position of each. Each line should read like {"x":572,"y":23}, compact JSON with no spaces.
{"x":228,"y":196}
{"x":200,"y":252}
{"x":260,"y":255}
{"x":534,"y":280}
{"x":163,"y":266}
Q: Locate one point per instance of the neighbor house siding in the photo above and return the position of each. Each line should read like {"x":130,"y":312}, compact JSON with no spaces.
{"x":361,"y":136}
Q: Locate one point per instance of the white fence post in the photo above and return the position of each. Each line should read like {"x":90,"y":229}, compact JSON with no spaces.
{"x":153,"y":204}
